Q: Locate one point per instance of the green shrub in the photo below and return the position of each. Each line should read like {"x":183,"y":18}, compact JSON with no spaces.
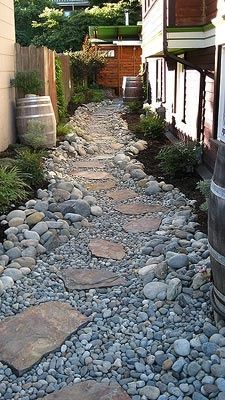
{"x":61,"y":101}
{"x":135,"y":106}
{"x":63,"y":130}
{"x":29,"y":82}
{"x":34,"y":136}
{"x":12,"y":187}
{"x":30,"y":162}
{"x":204,"y":188}
{"x":180,"y":158}
{"x":96,"y":95}
{"x":85,"y":94}
{"x":152,"y":126}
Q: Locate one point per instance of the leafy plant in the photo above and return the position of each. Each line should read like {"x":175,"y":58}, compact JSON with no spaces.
{"x":61,"y":100}
{"x":85,"y":94}
{"x":135,"y":106}
{"x":27,"y":82}
{"x":63,"y":130}
{"x":152,"y":126}
{"x":96,"y":95}
{"x":30,"y":162}
{"x":180,"y":158}
{"x":204,"y":188}
{"x":12,"y":187}
{"x":87,"y":63}
{"x":35,"y":135}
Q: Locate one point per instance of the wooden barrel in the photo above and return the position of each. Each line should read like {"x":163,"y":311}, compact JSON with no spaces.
{"x":36,"y":108}
{"x":132,"y":88}
{"x":216,"y":232}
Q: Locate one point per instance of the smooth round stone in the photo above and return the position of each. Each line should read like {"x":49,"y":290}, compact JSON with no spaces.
{"x":174,"y":289}
{"x":34,"y":218}
{"x":14,"y":222}
{"x":14,"y":273}
{"x":96,"y":211}
{"x":218,"y":371}
{"x":152,"y":188}
{"x":13,"y":253}
{"x":153,"y":289}
{"x":26,"y":262}
{"x":60,"y":195}
{"x":76,"y":194}
{"x":65,"y":186}
{"x":182,"y":347}
{"x":7,"y":282}
{"x":25,"y":270}
{"x":90,"y":200}
{"x":31,"y":235}
{"x":220,"y":382}
{"x":73,"y":217}
{"x":79,"y":206}
{"x":137,"y":174}
{"x":150,"y":392}
{"x":16,"y":214}
{"x":40,"y":228}
{"x":193,"y":368}
{"x":178,"y":261}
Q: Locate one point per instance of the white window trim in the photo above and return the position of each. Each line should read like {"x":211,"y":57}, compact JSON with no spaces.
{"x":221,"y":113}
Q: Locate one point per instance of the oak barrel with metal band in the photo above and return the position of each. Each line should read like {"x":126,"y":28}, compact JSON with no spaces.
{"x":36,"y":108}
{"x":216,"y":232}
{"x":132,"y":88}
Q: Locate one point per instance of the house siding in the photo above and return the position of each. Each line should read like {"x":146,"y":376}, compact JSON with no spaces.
{"x":7,"y":71}
{"x":126,"y":62}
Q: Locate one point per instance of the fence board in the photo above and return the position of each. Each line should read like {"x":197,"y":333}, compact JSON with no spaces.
{"x":42,"y":60}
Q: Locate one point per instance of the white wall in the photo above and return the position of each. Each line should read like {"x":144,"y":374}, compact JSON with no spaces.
{"x":7,"y":70}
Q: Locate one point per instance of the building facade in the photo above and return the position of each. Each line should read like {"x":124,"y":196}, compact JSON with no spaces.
{"x":70,"y":5}
{"x":184,"y":55}
{"x":122,"y":48}
{"x":7,"y":71}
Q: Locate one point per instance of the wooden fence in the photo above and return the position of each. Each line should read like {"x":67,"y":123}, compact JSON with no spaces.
{"x":42,"y":60}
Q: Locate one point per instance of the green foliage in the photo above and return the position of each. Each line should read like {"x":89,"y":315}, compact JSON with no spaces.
{"x":30,"y":162}
{"x":47,"y":26}
{"x":27,"y":11}
{"x":87,"y":63}
{"x":178,"y":159}
{"x":34,"y":136}
{"x":28,"y":82}
{"x":151,"y":126}
{"x":204,"y":188}
{"x":84,"y":94}
{"x":63,"y":130}
{"x":12,"y":187}
{"x":135,"y":106}
{"x":61,"y":101}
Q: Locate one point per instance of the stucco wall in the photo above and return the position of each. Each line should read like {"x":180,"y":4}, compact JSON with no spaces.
{"x":7,"y":68}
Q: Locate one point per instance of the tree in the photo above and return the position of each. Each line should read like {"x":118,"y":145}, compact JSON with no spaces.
{"x":26,"y":11}
{"x":47,"y":26}
{"x":87,"y":63}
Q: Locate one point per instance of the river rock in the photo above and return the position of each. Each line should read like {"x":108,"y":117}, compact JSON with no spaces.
{"x":153,"y":289}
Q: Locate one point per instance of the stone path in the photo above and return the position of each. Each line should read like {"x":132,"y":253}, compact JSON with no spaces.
{"x":132,"y":267}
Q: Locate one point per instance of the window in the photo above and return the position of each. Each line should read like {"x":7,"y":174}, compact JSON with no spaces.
{"x":108,"y":53}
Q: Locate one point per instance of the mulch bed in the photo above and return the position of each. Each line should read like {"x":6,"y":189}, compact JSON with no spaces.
{"x":186,"y":184}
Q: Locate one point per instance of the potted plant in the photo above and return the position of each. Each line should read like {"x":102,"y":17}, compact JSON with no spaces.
{"x":33,"y":108}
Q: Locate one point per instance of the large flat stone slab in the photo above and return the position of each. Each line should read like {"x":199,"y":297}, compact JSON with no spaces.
{"x":89,"y":164}
{"x":90,"y":390}
{"x":82,"y":279}
{"x":138,"y":208}
{"x":110,"y":184}
{"x":93,"y":175}
{"x":142,"y":225}
{"x":26,"y":337}
{"x":123,"y":194}
{"x":106,"y":249}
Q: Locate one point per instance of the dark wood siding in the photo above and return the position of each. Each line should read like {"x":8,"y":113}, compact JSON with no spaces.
{"x":126,"y":62}
{"x":210,"y":10}
{"x":190,"y":13}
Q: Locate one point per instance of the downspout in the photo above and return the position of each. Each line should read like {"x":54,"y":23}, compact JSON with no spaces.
{"x":203,"y":74}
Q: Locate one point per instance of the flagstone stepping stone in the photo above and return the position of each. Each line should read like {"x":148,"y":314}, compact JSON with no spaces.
{"x":121,"y":195}
{"x":93,"y":175}
{"x":77,"y":279}
{"x":106,"y":249}
{"x":110,"y":184}
{"x":90,"y":390}
{"x":138,"y":208}
{"x":142,"y":225}
{"x":89,"y":164}
{"x":26,"y":337}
